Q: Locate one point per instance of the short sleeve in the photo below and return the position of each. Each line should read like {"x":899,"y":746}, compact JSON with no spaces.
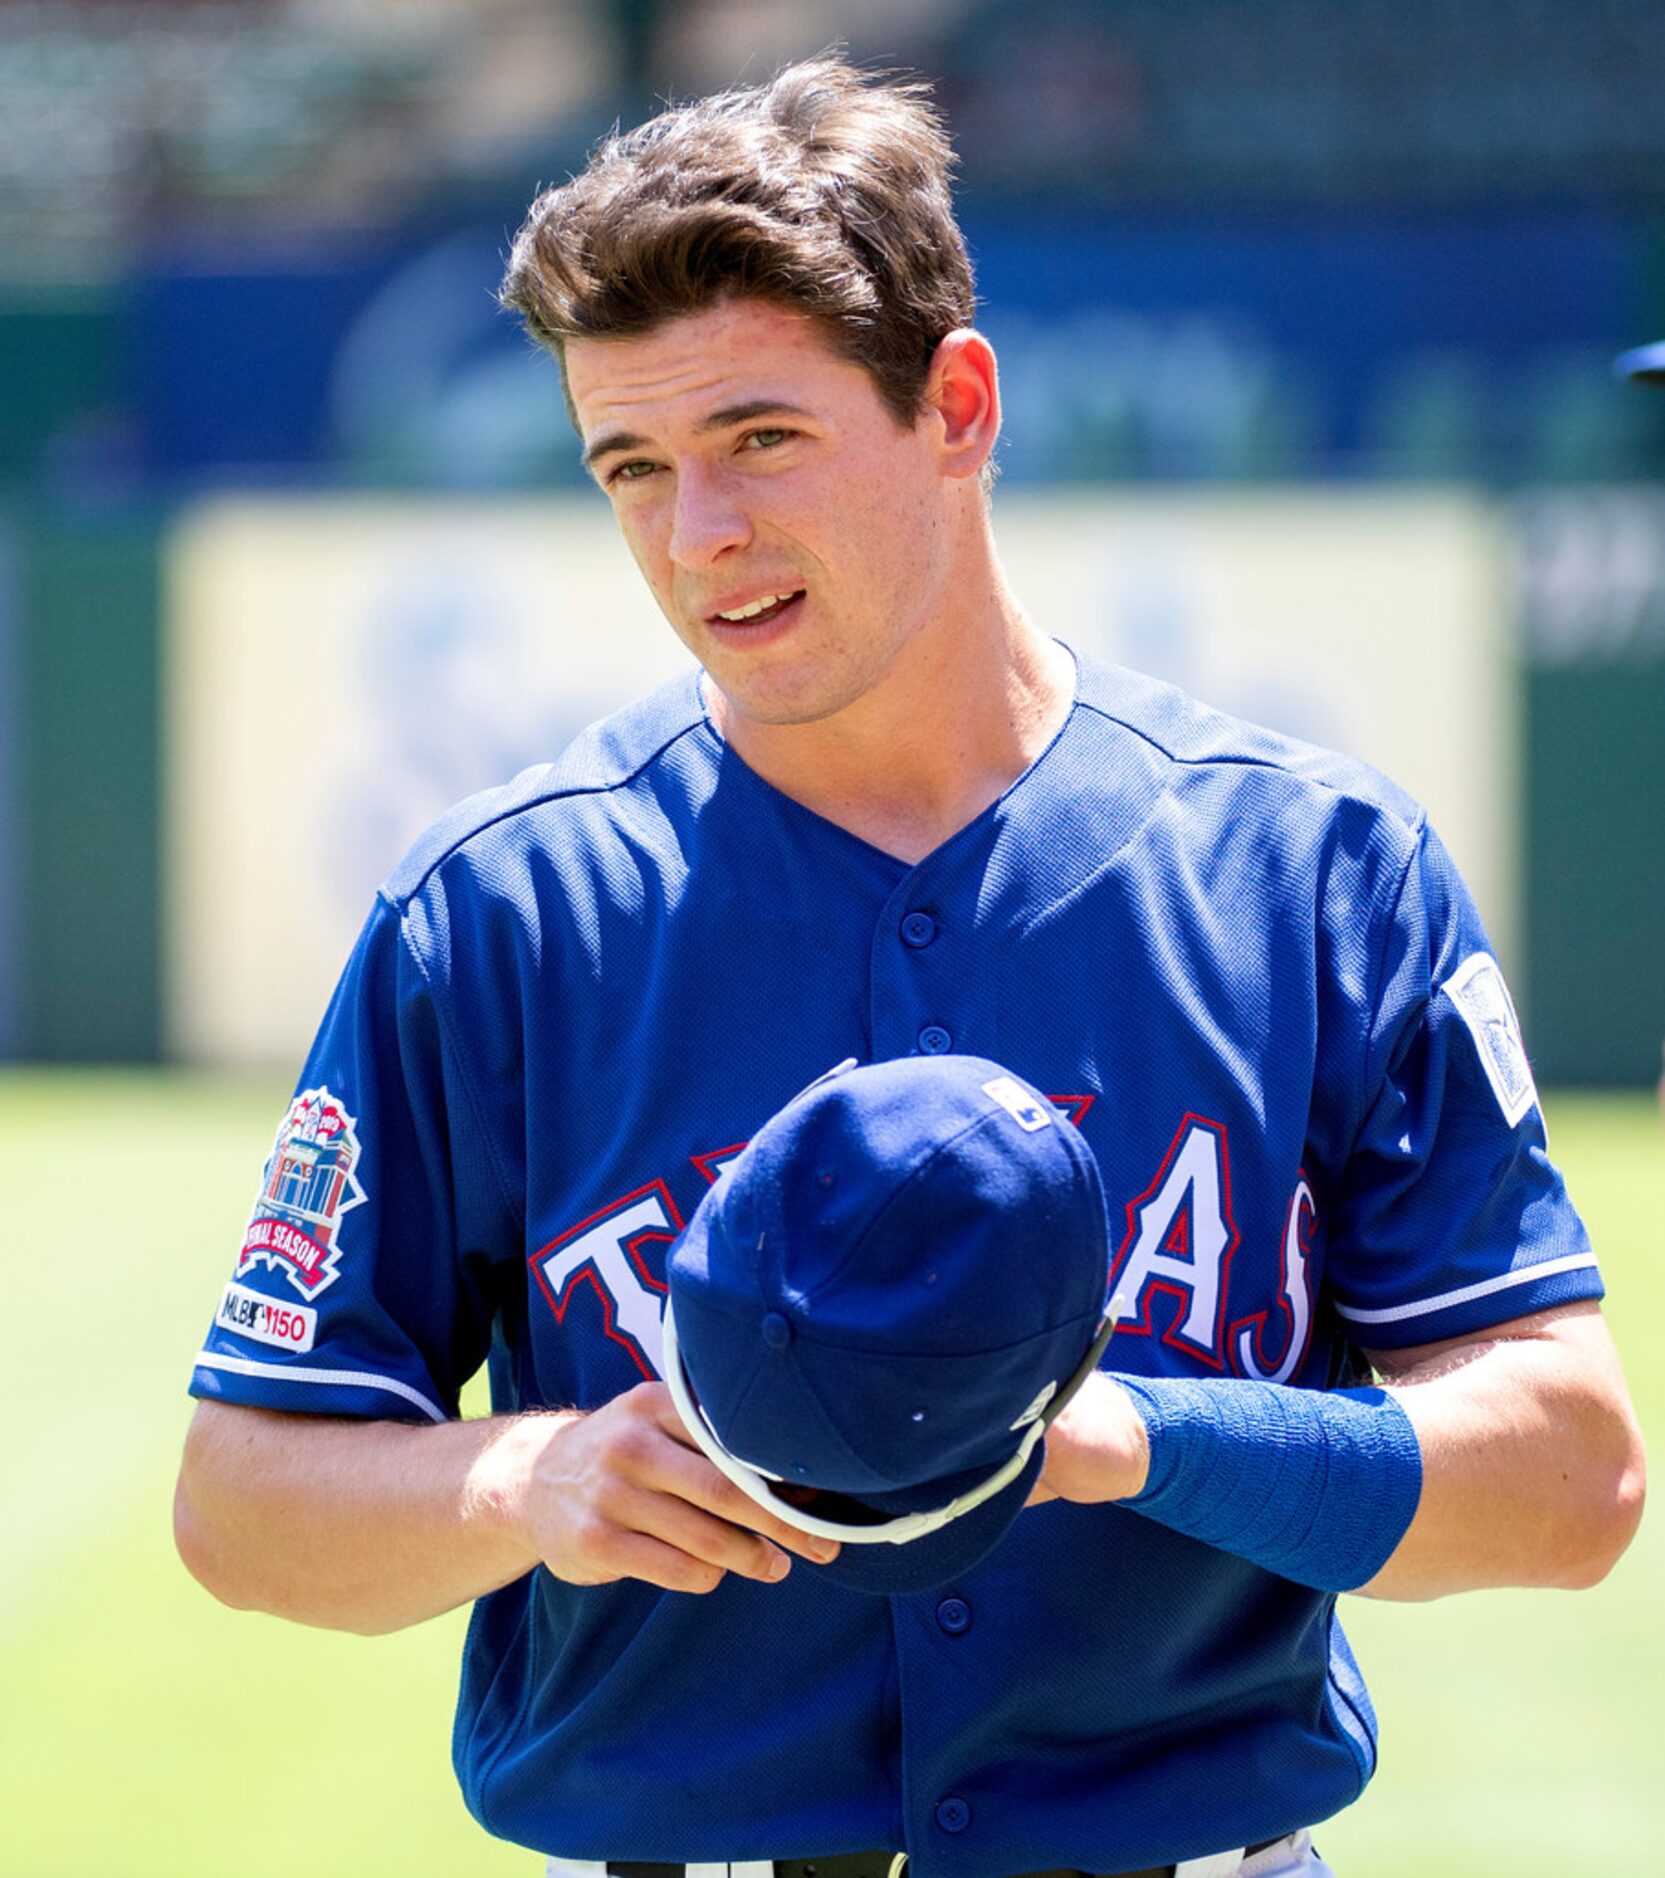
{"x":363,"y":1285}
{"x":1450,"y":1216}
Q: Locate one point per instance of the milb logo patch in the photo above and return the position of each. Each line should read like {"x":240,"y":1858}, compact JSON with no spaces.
{"x":308,"y":1185}
{"x":249,"y":1313}
{"x":1482,"y":999}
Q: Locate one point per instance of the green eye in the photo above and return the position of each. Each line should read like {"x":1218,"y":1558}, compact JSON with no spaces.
{"x":764,"y":439}
{"x":632,"y":472}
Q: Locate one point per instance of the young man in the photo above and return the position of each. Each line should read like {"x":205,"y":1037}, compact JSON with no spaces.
{"x":893,"y":816}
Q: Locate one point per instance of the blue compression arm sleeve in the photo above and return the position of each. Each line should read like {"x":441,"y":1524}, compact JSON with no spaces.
{"x":1316,"y":1487}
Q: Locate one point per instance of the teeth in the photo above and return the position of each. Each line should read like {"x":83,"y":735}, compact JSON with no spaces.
{"x":756,"y":607}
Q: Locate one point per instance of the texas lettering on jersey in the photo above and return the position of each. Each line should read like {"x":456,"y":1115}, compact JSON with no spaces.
{"x":1180,"y":1240}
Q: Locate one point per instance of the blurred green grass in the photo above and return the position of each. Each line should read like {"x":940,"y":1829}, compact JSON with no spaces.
{"x":148,"y":1730}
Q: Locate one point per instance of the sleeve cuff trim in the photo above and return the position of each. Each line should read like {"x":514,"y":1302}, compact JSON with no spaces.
{"x":336,"y":1378}
{"x":1446,"y":1300}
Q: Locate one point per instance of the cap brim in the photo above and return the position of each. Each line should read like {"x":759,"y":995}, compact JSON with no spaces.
{"x":935,"y":1558}
{"x":1646,"y":363}
{"x":870,"y":1563}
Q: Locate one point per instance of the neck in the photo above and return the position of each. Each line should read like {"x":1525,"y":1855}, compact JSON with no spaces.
{"x":971,"y":701}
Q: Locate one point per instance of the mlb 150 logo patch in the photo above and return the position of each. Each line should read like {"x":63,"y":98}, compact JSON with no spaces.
{"x":308,"y":1185}
{"x":267,"y":1320}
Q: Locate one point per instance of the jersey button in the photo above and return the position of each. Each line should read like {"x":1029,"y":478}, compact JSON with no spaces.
{"x":935,"y":1041}
{"x":919,"y":929}
{"x":953,"y":1815}
{"x":954,"y":1615}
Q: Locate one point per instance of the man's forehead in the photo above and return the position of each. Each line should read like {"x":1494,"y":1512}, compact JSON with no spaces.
{"x":742,"y":353}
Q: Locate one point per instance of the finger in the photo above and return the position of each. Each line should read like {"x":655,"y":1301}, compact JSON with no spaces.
{"x":628,"y":1532}
{"x":683,"y":1470}
{"x":689,"y":1476}
{"x":639,"y":1555}
{"x":676,"y":1522}
{"x":646,"y":1481}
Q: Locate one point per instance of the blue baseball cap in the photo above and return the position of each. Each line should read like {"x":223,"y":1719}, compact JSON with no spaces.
{"x":1644,"y":362}
{"x":881,"y":1307}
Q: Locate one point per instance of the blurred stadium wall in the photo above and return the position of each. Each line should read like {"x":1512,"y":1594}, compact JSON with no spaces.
{"x":1304,"y":311}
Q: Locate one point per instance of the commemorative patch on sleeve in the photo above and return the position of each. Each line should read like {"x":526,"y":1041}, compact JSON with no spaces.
{"x":1482,"y":999}
{"x":308,"y":1184}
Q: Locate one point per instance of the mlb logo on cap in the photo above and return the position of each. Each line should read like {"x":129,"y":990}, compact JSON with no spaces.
{"x":874,"y":1318}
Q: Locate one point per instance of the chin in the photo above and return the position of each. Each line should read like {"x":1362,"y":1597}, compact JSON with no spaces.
{"x":778,"y":710}
{"x":781,"y":698}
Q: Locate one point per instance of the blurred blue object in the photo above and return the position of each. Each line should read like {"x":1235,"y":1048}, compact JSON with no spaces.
{"x":434,"y":385}
{"x":1205,"y":347}
{"x":380,"y":362}
{"x":1644,"y":362}
{"x":232,"y":352}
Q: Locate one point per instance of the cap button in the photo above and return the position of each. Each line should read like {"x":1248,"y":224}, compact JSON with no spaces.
{"x":777,"y":1332}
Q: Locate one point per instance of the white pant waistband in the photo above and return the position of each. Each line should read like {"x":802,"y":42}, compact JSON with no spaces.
{"x":1293,"y":1857}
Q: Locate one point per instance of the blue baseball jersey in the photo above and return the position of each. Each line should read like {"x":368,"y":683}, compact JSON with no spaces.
{"x":1244,"y":967}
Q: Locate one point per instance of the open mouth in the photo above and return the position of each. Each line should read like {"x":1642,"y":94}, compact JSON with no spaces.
{"x":760,"y":612}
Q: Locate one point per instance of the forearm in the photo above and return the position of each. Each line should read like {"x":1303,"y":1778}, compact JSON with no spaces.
{"x":1533,"y":1470}
{"x":370,"y":1526}
{"x":1508,"y":1460}
{"x":364,"y":1526}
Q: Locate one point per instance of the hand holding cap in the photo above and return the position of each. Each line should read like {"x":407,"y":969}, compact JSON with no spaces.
{"x":877,"y":1312}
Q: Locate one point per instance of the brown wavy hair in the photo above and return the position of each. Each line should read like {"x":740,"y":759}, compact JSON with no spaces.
{"x":825,"y":191}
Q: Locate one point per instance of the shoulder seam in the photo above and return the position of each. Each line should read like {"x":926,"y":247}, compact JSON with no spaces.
{"x":399,"y":901}
{"x":1412,"y":826}
{"x":443,"y":1020}
{"x":1418,"y":832}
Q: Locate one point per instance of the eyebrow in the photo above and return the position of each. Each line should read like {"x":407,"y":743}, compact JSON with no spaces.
{"x":612,"y":441}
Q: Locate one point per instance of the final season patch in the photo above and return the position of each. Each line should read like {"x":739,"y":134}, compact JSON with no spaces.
{"x":307,"y":1186}
{"x":1477,"y":989}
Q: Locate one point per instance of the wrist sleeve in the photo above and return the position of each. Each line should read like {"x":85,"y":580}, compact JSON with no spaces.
{"x":1318,"y":1487}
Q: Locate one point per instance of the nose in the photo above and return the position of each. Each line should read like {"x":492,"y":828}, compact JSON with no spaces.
{"x":708,"y":519}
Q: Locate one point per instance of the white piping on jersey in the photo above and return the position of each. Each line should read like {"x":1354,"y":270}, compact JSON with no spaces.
{"x":1397,"y":1313}
{"x":344,"y":1378}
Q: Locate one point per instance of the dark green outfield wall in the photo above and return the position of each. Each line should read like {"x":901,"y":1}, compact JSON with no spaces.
{"x":1591,"y":604}
{"x":1595,"y":855}
{"x":81,"y":950}
{"x":86,"y":922}
{"x":60,"y":375}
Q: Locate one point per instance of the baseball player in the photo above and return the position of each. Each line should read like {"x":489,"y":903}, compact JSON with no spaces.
{"x":890,"y":818}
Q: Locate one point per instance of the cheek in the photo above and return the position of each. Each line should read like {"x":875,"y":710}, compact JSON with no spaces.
{"x":645,"y":539}
{"x":892,"y":525}
{"x":647,"y":549}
